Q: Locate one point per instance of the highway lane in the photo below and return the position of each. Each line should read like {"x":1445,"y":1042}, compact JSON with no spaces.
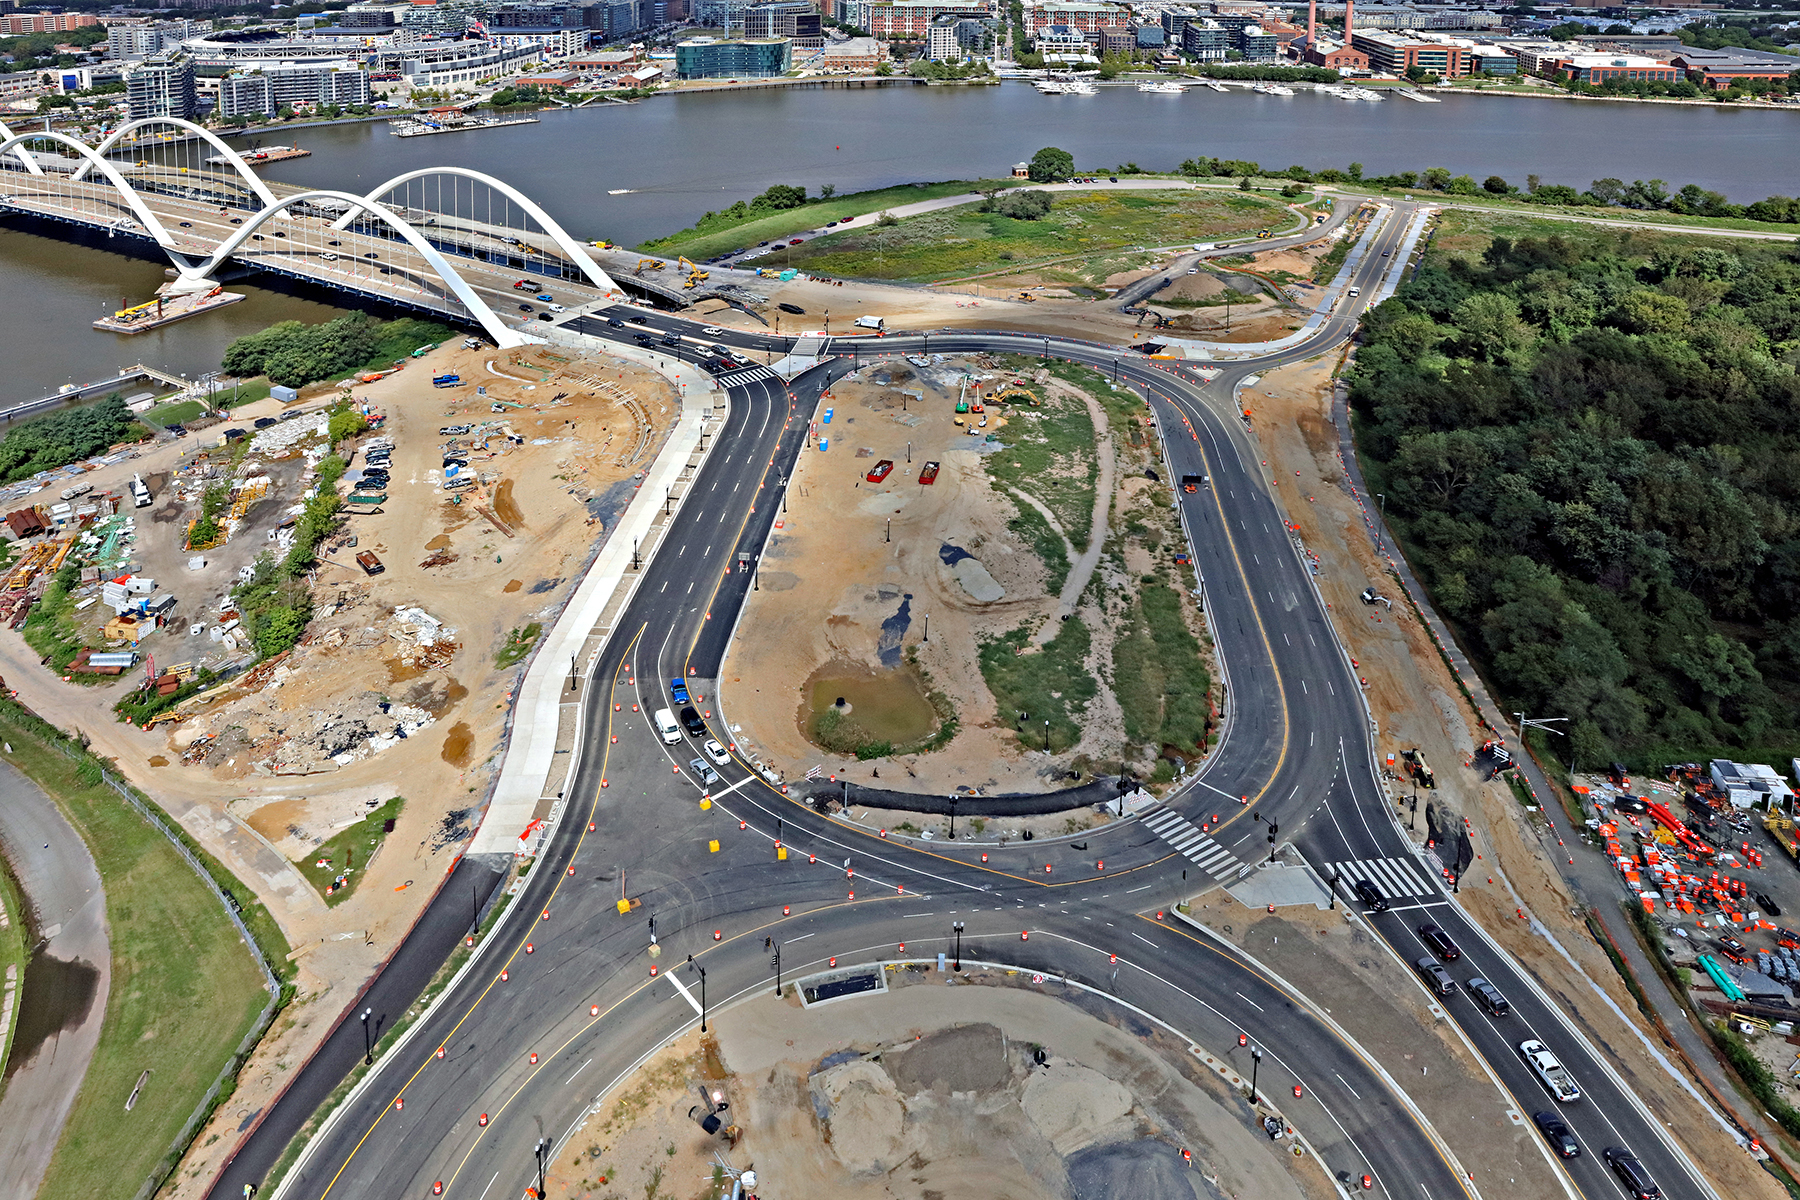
{"x":687,"y":895}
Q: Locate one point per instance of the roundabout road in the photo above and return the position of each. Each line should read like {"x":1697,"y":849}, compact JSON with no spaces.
{"x":577,"y":990}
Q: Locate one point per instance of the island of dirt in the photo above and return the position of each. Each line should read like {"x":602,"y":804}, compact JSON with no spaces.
{"x":935,"y":1090}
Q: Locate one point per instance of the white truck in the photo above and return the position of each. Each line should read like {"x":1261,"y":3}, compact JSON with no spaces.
{"x":1550,"y":1071}
{"x":140,"y":492}
{"x":875,"y":323}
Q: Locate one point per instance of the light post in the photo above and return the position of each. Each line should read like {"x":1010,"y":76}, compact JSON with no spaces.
{"x":1274,"y":829}
{"x":953,"y":799}
{"x":1255,"y":1065}
{"x":542,"y":1151}
{"x":702,"y":971}
{"x":957,"y":928}
{"x":1046,"y":735}
{"x":775,"y":961}
{"x":927,"y":620}
{"x":368,"y":1043}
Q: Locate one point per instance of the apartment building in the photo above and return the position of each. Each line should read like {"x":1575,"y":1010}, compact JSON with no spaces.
{"x":17,"y":26}
{"x":162,"y":86}
{"x":268,"y":90}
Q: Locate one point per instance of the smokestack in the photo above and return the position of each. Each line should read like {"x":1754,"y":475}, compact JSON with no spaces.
{"x":1312,"y":25}
{"x":1349,"y":12}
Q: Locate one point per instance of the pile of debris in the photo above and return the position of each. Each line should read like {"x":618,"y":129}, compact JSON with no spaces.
{"x":288,"y":434}
{"x":364,"y":724}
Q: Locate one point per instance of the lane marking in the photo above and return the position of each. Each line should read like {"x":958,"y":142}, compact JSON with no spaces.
{"x":685,"y":994}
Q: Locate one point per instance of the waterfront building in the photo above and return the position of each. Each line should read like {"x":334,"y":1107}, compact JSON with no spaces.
{"x":857,"y":55}
{"x":1398,"y":53}
{"x":1395,"y":16}
{"x":1150,"y":37}
{"x":1598,"y":68}
{"x":736,"y":58}
{"x":162,"y":86}
{"x":1206,"y":41}
{"x":1086,"y":17}
{"x":1059,"y":39}
{"x":796,"y":20}
{"x":905,"y":20}
{"x":1174,"y":20}
{"x":1719,"y":69}
{"x":1254,"y":44}
{"x":268,"y":90}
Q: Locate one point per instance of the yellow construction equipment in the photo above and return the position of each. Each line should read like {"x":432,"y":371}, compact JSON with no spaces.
{"x":695,"y":274}
{"x":653,"y":263}
{"x":1028,"y":298}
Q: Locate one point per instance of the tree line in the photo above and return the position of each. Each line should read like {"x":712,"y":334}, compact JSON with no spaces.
{"x":1648,"y":195}
{"x":60,"y":438}
{"x":293,"y":354}
{"x":1588,"y":454}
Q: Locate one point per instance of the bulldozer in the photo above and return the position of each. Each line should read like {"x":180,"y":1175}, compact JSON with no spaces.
{"x":1027,"y":297}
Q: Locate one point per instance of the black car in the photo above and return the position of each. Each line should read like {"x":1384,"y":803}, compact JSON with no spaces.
{"x":690,"y":719}
{"x":1371,"y":895}
{"x":1629,"y":804}
{"x":181,"y":432}
{"x":644,"y":339}
{"x":1638,"y":1183}
{"x":264,"y":422}
{"x":615,"y":323}
{"x":1556,"y":1132}
{"x":792,"y":308}
{"x":1769,"y":906}
{"x":1440,"y":942}
{"x":526,"y":308}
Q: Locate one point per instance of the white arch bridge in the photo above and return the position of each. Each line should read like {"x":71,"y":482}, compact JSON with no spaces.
{"x":445,"y":241}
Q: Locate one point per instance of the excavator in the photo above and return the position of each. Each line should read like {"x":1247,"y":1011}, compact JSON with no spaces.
{"x":695,"y":274}
{"x":654,"y":264}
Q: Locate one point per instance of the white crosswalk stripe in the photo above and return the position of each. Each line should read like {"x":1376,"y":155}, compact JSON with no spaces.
{"x":1188,"y":841}
{"x":740,"y":378}
{"x":1394,"y":878}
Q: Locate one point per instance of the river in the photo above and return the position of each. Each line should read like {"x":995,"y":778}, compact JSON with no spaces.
{"x":673,"y":158}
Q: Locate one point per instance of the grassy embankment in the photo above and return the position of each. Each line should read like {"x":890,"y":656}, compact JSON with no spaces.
{"x":350,"y":850}
{"x":1082,"y":240}
{"x":184,"y":990}
{"x":718,"y":234}
{"x":1462,"y":231}
{"x":14,"y":954}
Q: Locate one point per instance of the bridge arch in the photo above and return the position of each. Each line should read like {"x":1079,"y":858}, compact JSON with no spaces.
{"x":30,"y":163}
{"x":257,"y":186}
{"x":195,"y":277}
{"x":568,"y":245}
{"x":147,"y":218}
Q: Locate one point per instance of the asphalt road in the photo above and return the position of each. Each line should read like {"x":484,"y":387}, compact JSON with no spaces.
{"x":578,"y":990}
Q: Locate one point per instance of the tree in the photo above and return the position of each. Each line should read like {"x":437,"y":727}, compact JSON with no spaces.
{"x":1495,"y":185}
{"x":1050,"y":165}
{"x":1437,"y":178}
{"x":1026,"y":205}
{"x":1532,"y":183}
{"x":828,"y":191}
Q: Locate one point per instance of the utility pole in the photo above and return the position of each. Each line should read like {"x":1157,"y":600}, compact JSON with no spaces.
{"x":368,"y":1042}
{"x":775,"y":961}
{"x":1255,"y":1066}
{"x":957,"y":928}
{"x":542,"y":1151}
{"x":702,"y":971}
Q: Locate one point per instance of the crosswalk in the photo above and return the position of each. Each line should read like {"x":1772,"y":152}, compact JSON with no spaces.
{"x":1395,"y":878}
{"x":1187,"y":839}
{"x":740,"y":378}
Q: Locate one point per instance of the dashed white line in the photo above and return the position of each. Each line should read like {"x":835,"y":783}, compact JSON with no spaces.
{"x":578,"y":1070}
{"x":1245,"y":999}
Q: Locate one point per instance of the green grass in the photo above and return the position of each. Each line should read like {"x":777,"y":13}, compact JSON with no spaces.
{"x":173,"y":414}
{"x":1049,"y":684}
{"x":1158,"y":676}
{"x":54,"y":630}
{"x":350,"y":849}
{"x":1050,"y":454}
{"x":13,"y":952}
{"x":184,"y":991}
{"x":243,"y":393}
{"x":1031,"y":528}
{"x":963,"y":241}
{"x":1524,"y":209}
{"x":707,"y":238}
{"x":518,"y":644}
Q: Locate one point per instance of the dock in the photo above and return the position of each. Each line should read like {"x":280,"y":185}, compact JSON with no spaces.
{"x":424,"y":128}
{"x":165,"y":310}
{"x":261,"y":155}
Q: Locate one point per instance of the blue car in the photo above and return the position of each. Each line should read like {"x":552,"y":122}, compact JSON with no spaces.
{"x":678,"y":690}
{"x":546,"y":297}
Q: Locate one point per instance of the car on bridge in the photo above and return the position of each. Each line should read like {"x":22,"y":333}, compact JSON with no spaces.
{"x":546,"y":297}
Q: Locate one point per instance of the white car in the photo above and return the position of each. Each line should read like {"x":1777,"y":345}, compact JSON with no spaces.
{"x":712,"y":331}
{"x":715,"y":751}
{"x":558,"y":308}
{"x":1549,"y":1069}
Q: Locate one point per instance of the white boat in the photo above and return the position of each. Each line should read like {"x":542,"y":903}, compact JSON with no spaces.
{"x":1215,"y":85}
{"x":1079,"y":88}
{"x":1271,"y":89}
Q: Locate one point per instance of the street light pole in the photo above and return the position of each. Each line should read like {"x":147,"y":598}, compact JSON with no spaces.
{"x":702,"y":971}
{"x":1255,"y":1066}
{"x":953,"y":799}
{"x":543,"y":1152}
{"x":368,"y":1045}
{"x":957,"y":928}
{"x":776,"y":963}
{"x":1046,"y":735}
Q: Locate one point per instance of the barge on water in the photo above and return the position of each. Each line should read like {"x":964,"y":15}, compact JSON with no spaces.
{"x":165,"y":310}
{"x":259,"y":155}
{"x":425,"y":126}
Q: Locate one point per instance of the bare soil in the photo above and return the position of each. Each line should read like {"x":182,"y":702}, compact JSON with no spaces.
{"x":931,"y":1090}
{"x":300,"y":748}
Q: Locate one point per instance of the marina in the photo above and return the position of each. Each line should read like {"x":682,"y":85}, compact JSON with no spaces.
{"x":425,"y":126}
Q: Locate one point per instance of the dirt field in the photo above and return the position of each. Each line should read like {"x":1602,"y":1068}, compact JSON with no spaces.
{"x":302,"y":747}
{"x":931,"y":1090}
{"x":884,"y":593}
{"x":1416,"y":704}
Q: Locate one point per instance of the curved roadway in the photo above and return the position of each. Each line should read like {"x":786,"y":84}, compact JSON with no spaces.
{"x":577,"y":990}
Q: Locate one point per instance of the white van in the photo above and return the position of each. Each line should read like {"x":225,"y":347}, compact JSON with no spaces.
{"x":665,"y":725}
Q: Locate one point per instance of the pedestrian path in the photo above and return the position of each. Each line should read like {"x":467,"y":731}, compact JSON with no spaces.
{"x":1394,"y":878}
{"x":1186,"y":837}
{"x":741,"y":378}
